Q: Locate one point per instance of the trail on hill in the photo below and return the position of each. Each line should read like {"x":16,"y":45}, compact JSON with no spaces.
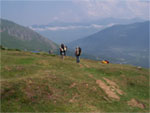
{"x":135,"y":103}
{"x":110,"y":88}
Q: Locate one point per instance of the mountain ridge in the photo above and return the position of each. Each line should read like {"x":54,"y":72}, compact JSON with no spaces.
{"x":118,"y":41}
{"x":25,"y":36}
{"x":66,"y":32}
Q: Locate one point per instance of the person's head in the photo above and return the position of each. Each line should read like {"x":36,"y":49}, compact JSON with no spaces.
{"x":62,"y":45}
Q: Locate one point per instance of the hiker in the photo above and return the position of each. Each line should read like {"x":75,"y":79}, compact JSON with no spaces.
{"x":50,"y":51}
{"x":77,"y":54}
{"x":63,"y":50}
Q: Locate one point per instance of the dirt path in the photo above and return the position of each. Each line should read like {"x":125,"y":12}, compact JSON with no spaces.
{"x":136,"y":103}
{"x":114,"y":86}
{"x":107,"y":90}
{"x":110,"y":88}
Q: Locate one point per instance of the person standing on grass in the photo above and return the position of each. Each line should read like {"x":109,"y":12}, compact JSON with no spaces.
{"x":77,"y":54}
{"x":63,"y":50}
{"x":50,"y":52}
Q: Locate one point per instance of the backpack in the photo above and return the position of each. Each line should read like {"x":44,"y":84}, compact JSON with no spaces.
{"x":65,"y":48}
{"x":78,"y":51}
{"x":62,"y":48}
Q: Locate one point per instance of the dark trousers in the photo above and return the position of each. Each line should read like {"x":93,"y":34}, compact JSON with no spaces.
{"x":77,"y":59}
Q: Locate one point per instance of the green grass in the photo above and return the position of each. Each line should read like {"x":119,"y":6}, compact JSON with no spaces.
{"x":42,"y":83}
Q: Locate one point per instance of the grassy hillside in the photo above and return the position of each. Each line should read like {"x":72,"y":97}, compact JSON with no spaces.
{"x":20,"y":37}
{"x":40,"y":82}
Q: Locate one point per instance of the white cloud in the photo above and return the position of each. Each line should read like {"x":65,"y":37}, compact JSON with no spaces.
{"x":139,"y":9}
{"x":66,"y":27}
{"x":55,"y":18}
{"x":67,"y":16}
{"x":87,"y":10}
{"x":97,"y":26}
{"x":97,"y":9}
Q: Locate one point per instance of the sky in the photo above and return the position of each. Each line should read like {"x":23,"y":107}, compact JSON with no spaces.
{"x":30,"y":12}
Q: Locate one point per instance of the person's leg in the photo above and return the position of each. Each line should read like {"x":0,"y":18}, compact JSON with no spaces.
{"x":60,"y":54}
{"x":78,"y":60}
{"x":63,"y":55}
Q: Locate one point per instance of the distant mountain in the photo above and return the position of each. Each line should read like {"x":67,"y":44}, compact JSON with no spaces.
{"x":17,"y":36}
{"x":62,"y":32}
{"x":119,"y":43}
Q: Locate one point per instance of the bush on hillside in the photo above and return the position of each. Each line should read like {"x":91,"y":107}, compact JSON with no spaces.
{"x":2,"y":48}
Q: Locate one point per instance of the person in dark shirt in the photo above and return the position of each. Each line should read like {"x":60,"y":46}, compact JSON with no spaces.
{"x":77,"y":54}
{"x":63,"y":50}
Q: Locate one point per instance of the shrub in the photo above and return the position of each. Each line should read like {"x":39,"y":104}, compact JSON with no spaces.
{"x":2,"y":48}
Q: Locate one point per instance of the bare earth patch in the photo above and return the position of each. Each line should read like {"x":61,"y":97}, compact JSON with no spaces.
{"x":86,"y":65}
{"x":114,"y":86}
{"x":91,"y":76}
{"x":81,"y":66}
{"x":94,"y":88}
{"x":74,"y":98}
{"x":93,"y":108}
{"x":136,"y":103}
{"x":43,"y":62}
{"x":111,"y":90}
{"x":107,"y":90}
{"x":19,"y":68}
{"x":35,"y":92}
{"x":72,"y":85}
{"x":7,"y":68}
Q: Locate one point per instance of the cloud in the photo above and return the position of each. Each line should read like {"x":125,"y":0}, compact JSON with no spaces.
{"x":98,"y":9}
{"x":139,"y":8}
{"x":89,"y":10}
{"x":56,"y":28}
